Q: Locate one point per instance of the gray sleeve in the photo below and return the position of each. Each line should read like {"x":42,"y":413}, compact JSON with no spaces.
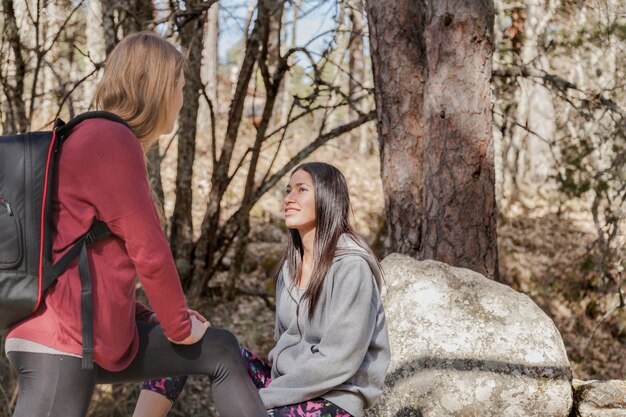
{"x":343,"y":346}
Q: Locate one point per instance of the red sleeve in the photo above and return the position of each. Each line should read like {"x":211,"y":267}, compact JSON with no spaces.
{"x":116,"y":181}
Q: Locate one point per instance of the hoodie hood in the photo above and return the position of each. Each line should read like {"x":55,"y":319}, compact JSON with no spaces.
{"x":346,"y":246}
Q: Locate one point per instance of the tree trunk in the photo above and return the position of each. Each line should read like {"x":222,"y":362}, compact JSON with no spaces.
{"x":542,"y":122}
{"x":272,"y":60}
{"x":336,"y":68}
{"x":15,"y":91}
{"x":181,"y":237}
{"x":527,"y":96}
{"x":286,"y":95}
{"x":204,"y":261}
{"x":234,"y":76}
{"x":96,"y":44}
{"x":356,"y":65}
{"x":109,"y":25}
{"x":209,"y":67}
{"x":432,"y":70}
{"x":459,"y":176}
{"x":136,"y":15}
{"x":398,"y":62}
{"x":55,"y":14}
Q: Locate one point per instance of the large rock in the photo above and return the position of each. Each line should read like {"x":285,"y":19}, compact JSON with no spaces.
{"x":464,"y":345}
{"x":600,"y":398}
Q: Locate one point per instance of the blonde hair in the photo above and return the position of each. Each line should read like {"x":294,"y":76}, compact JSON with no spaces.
{"x":139,"y":79}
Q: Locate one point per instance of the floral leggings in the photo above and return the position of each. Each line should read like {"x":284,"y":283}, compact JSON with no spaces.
{"x":260,"y":373}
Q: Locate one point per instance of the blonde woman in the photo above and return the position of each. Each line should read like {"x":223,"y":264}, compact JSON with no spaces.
{"x":102,"y":176}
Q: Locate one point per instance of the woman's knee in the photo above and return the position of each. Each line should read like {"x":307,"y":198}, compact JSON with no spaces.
{"x":225,"y":356}
{"x":222,"y":338}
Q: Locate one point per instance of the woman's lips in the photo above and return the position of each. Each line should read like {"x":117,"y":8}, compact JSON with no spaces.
{"x":289,"y":211}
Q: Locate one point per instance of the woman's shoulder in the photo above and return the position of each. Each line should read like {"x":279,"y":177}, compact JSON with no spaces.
{"x":106,"y":132}
{"x":350,"y":252}
{"x":104,"y":138}
{"x":354,"y":261}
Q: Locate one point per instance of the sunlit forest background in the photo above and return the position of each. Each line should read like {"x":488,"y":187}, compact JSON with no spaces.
{"x":264,"y":95}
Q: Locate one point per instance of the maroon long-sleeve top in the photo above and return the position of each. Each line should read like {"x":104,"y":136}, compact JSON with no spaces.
{"x":102,"y":175}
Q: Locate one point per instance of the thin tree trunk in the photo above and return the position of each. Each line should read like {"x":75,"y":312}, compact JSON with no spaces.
{"x":398,"y":61}
{"x":181,"y":235}
{"x":108,"y":23}
{"x":271,"y":56}
{"x":336,"y":70}
{"x":55,"y":14}
{"x":242,"y":54}
{"x":96,"y":44}
{"x":16,"y":91}
{"x":209,"y":74}
{"x":357,"y":72}
{"x":209,"y":67}
{"x":137,"y":14}
{"x":518,"y":160}
{"x":459,"y":178}
{"x":542,"y":122}
{"x":205,"y":247}
{"x":286,"y":91}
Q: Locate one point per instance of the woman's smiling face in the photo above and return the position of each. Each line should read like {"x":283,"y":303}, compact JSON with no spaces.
{"x":299,"y":202}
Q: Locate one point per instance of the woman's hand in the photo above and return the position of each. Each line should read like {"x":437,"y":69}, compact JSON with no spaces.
{"x":155,"y":320}
{"x":200,"y":317}
{"x":199,"y":326}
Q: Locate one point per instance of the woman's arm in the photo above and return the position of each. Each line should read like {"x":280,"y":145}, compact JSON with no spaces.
{"x":117,"y":187}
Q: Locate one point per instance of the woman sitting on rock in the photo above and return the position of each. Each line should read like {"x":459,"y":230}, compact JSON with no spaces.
{"x":332,"y":350}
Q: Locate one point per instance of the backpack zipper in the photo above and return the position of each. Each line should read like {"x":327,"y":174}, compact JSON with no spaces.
{"x":7,"y":205}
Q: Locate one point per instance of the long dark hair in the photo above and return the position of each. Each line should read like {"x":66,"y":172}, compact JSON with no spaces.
{"x":332,"y":218}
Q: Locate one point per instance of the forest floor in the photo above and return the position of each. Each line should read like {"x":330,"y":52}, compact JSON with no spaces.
{"x":544,"y":246}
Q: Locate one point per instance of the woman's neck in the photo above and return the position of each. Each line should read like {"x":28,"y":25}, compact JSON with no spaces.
{"x":308,"y":251}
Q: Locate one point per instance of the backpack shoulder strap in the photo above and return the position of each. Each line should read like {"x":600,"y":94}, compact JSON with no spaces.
{"x":98,"y":230}
{"x":63,"y":130}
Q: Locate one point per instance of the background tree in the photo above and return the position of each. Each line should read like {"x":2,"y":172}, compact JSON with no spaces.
{"x":397,"y":36}
{"x":434,"y":127}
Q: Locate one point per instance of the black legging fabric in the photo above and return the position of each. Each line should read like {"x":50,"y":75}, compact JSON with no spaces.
{"x":57,"y":386}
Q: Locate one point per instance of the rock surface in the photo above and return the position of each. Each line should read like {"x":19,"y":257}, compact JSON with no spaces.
{"x":464,"y":345}
{"x":600,"y":398}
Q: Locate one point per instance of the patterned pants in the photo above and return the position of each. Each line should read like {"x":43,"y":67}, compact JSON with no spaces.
{"x":260,"y":373}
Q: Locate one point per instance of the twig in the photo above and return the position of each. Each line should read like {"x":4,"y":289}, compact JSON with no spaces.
{"x":604,"y":318}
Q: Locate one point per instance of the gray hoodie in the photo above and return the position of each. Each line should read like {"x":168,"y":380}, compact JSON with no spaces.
{"x":342,"y":354}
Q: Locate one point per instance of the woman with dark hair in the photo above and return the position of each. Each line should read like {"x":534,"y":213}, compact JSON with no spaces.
{"x":332,"y":350}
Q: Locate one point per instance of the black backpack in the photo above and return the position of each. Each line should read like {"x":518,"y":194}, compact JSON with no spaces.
{"x":27,"y":172}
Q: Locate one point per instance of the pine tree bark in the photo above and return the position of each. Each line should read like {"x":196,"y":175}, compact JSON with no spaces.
{"x":459,"y":175}
{"x":432,"y":71}
{"x":398,"y":56}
